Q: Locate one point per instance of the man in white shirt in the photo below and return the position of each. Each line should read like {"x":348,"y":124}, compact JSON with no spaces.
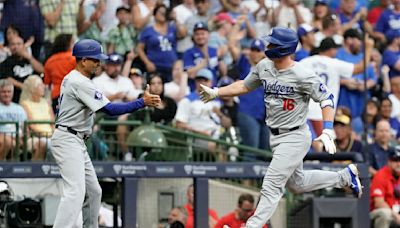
{"x":199,"y":117}
{"x":292,"y":13}
{"x":333,"y":72}
{"x":184,"y":11}
{"x":117,"y":88}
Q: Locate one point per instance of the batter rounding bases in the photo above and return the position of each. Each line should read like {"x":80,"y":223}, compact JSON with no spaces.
{"x":288,"y":88}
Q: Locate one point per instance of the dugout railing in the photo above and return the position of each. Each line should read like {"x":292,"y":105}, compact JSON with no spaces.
{"x":130,"y":173}
{"x":180,"y":145}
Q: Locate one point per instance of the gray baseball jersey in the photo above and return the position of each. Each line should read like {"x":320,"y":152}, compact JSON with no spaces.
{"x":79,"y":100}
{"x":286,"y":92}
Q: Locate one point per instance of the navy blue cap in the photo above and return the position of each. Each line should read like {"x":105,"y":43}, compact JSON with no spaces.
{"x":204,"y":73}
{"x":394,"y":154}
{"x":258,"y":45}
{"x":224,"y":81}
{"x":124,"y":8}
{"x":200,"y":26}
{"x":114,"y":58}
{"x":321,"y":2}
{"x":392,"y":34}
{"x":304,"y":29}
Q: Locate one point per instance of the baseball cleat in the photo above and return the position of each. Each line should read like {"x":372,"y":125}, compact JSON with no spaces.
{"x":355,"y":184}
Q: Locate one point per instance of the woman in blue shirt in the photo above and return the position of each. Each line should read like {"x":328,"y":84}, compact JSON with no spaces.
{"x":157,"y":43}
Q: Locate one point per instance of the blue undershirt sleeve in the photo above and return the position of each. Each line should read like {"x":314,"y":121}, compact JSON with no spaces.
{"x":114,"y":109}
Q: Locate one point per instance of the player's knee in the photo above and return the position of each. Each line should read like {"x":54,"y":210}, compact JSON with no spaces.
{"x":295,"y":189}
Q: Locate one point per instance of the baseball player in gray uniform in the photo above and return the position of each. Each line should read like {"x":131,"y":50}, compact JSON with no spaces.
{"x":288,"y":88}
{"x":79,"y":100}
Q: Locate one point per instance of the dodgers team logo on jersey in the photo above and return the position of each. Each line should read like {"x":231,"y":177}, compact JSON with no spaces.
{"x":98,"y":95}
{"x":322,"y":87}
{"x":275,"y":88}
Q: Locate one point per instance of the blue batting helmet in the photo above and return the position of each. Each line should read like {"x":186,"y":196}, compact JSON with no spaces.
{"x":285,"y":40}
{"x":88,"y":48}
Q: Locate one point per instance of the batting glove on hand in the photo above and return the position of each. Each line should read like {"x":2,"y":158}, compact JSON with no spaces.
{"x":327,"y":138}
{"x":207,"y":94}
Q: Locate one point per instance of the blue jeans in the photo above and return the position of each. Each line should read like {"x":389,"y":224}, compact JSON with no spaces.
{"x":254,"y":133}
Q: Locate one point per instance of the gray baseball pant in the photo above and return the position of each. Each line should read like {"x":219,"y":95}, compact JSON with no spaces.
{"x":286,"y":169}
{"x":81,"y":189}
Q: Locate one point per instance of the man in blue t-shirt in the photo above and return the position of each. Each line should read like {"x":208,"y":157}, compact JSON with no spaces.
{"x":9,"y":111}
{"x":389,"y":20}
{"x":251,"y":116}
{"x":200,"y":55}
{"x":350,"y":17}
{"x":391,"y":56}
{"x":351,"y":90}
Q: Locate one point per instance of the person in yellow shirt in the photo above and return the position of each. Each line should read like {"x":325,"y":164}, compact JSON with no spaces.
{"x":37,"y":108}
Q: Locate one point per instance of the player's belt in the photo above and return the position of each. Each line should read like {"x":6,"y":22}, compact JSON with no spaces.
{"x":278,"y":131}
{"x":72,"y":131}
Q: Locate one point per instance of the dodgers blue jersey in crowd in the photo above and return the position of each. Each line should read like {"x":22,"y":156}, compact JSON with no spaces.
{"x":344,"y":19}
{"x":194,"y":56}
{"x":390,"y":58}
{"x":251,"y":103}
{"x":353,"y":99}
{"x":160,"y":49}
{"x":387,"y":21}
{"x":301,"y":54}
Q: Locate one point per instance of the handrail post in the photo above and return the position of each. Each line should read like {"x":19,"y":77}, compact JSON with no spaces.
{"x":17,"y":137}
{"x":200,"y":207}
{"x":25,"y":139}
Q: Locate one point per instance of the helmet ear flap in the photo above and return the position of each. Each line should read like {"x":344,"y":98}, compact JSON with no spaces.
{"x":281,"y":51}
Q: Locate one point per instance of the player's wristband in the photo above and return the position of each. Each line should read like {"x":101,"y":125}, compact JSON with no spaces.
{"x":328,"y":125}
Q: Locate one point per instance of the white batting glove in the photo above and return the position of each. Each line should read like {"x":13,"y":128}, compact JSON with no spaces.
{"x":207,"y":94}
{"x":327,"y":138}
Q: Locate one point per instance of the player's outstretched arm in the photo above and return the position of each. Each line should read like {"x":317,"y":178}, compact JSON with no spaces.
{"x":148,"y":99}
{"x":235,"y":89}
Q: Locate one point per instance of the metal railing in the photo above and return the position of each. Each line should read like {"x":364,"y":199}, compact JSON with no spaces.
{"x":15,"y":135}
{"x":181,"y":145}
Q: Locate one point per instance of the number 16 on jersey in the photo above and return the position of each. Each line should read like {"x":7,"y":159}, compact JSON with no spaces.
{"x":288,"y":104}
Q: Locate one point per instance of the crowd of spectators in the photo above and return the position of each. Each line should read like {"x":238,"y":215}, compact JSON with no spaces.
{"x":175,"y":45}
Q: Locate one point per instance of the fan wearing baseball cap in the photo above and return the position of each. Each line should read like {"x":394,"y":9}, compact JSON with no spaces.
{"x":305,"y":33}
{"x":251,"y":111}
{"x":196,"y":116}
{"x":201,"y":55}
{"x":223,"y":23}
{"x":345,"y":141}
{"x":385,"y":193}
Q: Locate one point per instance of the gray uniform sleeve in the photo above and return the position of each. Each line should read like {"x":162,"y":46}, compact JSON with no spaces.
{"x":316,"y":89}
{"x":252,"y":80}
{"x":91,"y":97}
